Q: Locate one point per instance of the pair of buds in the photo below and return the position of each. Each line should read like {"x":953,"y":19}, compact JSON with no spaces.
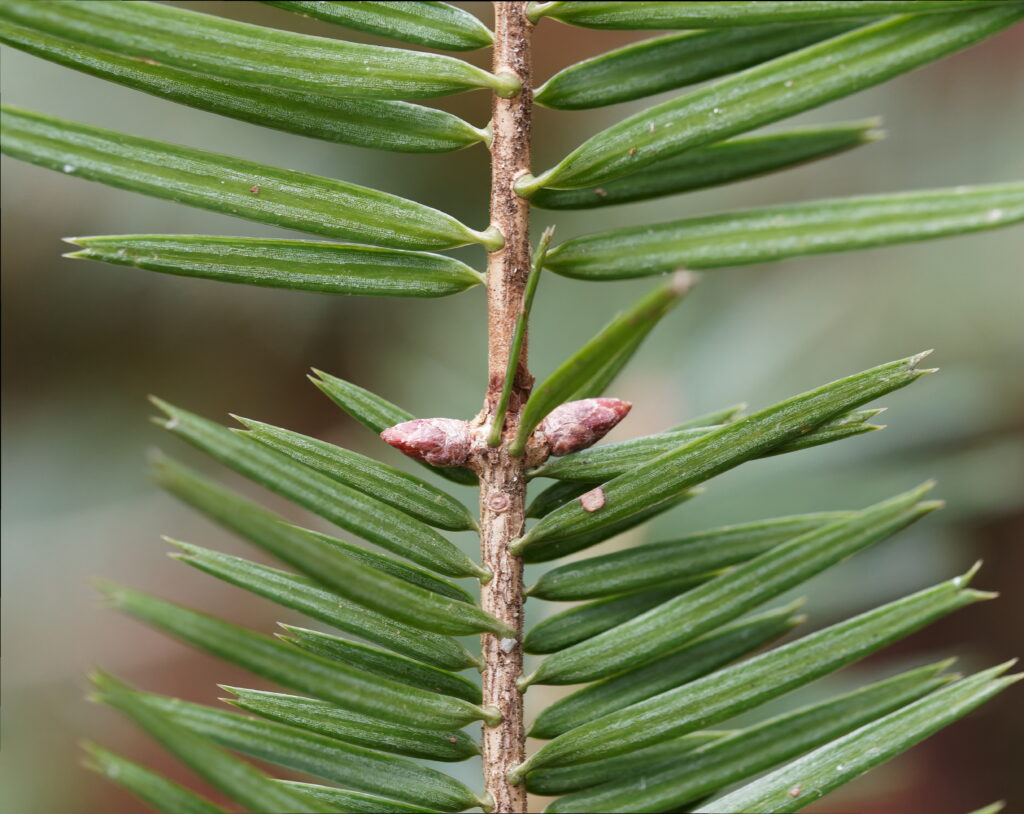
{"x":570,"y":427}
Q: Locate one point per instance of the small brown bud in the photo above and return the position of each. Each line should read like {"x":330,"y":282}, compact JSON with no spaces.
{"x":577,"y":425}
{"x":436,"y":441}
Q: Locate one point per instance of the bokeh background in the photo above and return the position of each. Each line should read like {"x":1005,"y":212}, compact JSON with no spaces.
{"x":84,"y":343}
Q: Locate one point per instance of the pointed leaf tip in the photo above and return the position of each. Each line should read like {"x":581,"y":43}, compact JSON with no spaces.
{"x":965,"y":578}
{"x":916,"y":359}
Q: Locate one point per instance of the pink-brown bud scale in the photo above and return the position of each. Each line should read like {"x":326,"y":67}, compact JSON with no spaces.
{"x":436,"y":441}
{"x":577,"y":425}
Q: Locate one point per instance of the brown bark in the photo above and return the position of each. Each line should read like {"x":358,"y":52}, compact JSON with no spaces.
{"x":502,"y":481}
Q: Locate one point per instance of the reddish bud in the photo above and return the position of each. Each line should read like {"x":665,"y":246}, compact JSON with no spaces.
{"x":577,"y":425}
{"x":436,"y":441}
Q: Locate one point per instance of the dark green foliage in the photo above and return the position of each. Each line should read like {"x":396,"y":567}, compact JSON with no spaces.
{"x":664,"y":642}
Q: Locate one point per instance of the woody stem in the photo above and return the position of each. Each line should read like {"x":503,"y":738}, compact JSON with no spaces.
{"x":502,"y":477}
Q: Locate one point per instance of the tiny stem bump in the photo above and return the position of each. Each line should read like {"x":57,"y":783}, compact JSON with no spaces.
{"x":682,"y":281}
{"x":492,"y":715}
{"x":516,"y":775}
{"x":506,"y":84}
{"x":483,"y":134}
{"x":526,"y":185}
{"x":491,"y":238}
{"x":535,"y":11}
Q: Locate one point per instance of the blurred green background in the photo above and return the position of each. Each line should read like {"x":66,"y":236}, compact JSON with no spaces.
{"x":84,"y":343}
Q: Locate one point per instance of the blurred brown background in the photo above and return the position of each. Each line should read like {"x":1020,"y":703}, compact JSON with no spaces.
{"x":84,"y":343}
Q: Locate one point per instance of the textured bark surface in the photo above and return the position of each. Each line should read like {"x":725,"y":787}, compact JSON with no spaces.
{"x":502,"y":480}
